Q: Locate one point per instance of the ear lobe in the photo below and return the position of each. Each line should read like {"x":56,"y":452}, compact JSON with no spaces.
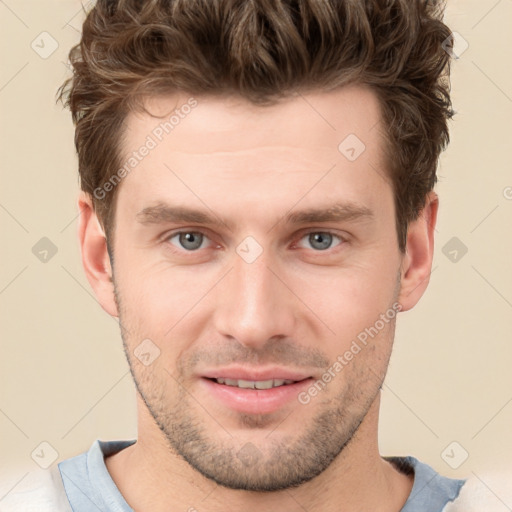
{"x":95,"y":258}
{"x":417,"y":261}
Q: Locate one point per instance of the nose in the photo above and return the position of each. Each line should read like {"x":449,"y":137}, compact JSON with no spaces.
{"x":254,"y":303}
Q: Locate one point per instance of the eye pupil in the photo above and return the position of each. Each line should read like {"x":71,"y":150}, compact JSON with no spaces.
{"x":325,"y":240}
{"x":190,"y":238}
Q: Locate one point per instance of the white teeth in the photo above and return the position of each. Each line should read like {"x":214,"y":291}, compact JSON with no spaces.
{"x":267,"y":384}
{"x":252,"y":384}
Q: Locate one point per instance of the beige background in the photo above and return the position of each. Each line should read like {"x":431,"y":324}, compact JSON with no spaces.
{"x":64,"y":379}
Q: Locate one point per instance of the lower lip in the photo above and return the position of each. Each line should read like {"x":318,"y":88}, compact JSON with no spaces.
{"x":255,"y":401}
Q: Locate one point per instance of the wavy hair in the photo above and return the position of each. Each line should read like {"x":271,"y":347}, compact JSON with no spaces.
{"x":264,"y":50}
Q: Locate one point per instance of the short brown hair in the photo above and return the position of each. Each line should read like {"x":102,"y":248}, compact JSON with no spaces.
{"x":264,"y":50}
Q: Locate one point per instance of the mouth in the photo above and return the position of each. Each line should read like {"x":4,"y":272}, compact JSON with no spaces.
{"x":254,"y":392}
{"x":254,"y":384}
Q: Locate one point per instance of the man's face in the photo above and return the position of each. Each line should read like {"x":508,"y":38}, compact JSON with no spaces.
{"x":265,"y":294}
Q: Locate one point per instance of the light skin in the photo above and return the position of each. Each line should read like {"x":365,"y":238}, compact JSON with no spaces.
{"x":297,"y":307}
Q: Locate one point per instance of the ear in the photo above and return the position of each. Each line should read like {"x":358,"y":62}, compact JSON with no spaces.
{"x":417,"y":261}
{"x":95,"y":258}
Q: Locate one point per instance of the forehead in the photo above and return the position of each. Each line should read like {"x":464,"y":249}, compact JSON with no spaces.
{"x":304,"y":120}
{"x":226,"y":150}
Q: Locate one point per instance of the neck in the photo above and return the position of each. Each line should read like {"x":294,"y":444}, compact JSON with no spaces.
{"x":152,"y":477}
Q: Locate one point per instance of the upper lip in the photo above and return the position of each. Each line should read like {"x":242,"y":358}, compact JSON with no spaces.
{"x":254,"y":374}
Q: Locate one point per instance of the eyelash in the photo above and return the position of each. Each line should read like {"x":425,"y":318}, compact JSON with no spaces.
{"x":329,"y":250}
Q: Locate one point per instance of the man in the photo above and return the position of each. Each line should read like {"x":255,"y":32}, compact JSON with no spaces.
{"x":257,"y":207}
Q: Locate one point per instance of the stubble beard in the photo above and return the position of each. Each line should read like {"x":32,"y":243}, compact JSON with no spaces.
{"x":284,"y":461}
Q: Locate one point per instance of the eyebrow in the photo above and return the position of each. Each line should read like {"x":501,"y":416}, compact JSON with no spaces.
{"x":336,"y":212}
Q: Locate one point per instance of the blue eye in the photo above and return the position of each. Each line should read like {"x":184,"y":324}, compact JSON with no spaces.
{"x":321,"y":240}
{"x":189,"y":240}
{"x":192,"y":241}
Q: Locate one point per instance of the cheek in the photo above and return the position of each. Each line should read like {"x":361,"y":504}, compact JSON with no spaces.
{"x":165,"y":302}
{"x":156,"y":295}
{"x":348,"y":300}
